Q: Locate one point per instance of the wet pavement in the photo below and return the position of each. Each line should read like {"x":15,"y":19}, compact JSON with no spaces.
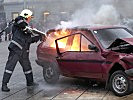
{"x":65,"y":89}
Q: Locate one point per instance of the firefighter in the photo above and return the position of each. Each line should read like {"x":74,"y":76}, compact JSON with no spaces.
{"x":19,"y":49}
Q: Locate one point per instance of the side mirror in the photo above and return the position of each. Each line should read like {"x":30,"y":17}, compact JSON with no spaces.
{"x":93,"y":47}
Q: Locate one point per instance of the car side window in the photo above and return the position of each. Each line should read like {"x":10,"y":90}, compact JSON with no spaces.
{"x":70,"y":43}
{"x":84,"y":44}
{"x":76,"y":42}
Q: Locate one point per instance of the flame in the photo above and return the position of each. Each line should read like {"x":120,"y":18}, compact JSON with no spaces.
{"x":68,"y":44}
{"x":62,"y":44}
{"x":76,"y":44}
{"x":58,"y":34}
{"x":61,"y":33}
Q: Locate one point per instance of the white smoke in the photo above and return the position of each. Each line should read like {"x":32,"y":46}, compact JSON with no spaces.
{"x":106,"y":14}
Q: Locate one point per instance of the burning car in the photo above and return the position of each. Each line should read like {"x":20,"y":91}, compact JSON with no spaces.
{"x":101,"y":53}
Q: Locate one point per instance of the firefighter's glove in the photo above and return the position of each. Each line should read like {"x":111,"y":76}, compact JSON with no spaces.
{"x":36,"y":39}
{"x":43,"y":38}
{"x":28,"y":30}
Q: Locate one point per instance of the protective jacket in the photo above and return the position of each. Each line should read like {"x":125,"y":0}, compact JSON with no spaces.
{"x":22,"y":37}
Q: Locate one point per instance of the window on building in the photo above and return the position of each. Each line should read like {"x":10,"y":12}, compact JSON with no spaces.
{"x":14,"y":15}
{"x":45,"y":14}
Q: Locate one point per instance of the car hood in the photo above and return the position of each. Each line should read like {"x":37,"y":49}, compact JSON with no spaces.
{"x":119,"y":42}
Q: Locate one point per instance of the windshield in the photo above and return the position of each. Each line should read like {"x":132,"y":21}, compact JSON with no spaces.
{"x":107,"y":36}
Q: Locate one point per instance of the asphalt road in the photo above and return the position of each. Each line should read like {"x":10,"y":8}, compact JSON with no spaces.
{"x":65,"y":89}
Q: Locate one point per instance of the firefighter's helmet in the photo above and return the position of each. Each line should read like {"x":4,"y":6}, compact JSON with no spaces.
{"x":26,"y":13}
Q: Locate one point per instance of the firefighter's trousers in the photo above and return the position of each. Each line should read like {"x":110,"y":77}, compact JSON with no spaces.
{"x":24,"y":61}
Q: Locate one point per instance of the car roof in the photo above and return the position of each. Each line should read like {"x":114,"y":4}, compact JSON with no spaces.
{"x":98,"y":27}
{"x":87,"y":27}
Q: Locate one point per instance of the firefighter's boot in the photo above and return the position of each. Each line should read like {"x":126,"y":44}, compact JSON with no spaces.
{"x":5,"y":88}
{"x":29,"y":79}
{"x":6,"y":78}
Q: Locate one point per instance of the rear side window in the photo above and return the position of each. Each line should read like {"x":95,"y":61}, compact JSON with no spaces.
{"x":84,"y":44}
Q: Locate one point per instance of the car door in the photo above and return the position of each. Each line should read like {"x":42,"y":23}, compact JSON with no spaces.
{"x":75,"y":59}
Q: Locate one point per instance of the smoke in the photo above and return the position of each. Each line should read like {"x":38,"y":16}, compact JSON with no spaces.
{"x":99,"y":13}
{"x":107,"y":15}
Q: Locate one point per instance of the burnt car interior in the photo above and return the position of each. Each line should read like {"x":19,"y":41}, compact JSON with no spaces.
{"x":93,"y":47}
{"x":74,"y":42}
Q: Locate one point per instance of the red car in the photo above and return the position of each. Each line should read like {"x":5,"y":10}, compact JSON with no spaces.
{"x":101,"y":53}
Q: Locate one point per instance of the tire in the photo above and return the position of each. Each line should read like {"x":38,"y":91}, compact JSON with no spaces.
{"x":51,"y":73}
{"x":119,"y":84}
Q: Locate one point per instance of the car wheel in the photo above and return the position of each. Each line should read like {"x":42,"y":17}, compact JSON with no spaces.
{"x":51,"y":73}
{"x":119,"y":83}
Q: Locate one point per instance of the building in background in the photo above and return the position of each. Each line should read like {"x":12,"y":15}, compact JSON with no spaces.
{"x":2,"y":15}
{"x":2,"y":18}
{"x":49,"y":13}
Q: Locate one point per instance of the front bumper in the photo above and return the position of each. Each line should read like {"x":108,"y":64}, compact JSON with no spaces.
{"x":129,"y":72}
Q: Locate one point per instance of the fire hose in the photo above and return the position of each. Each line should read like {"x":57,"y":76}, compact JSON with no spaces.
{"x":35,"y":31}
